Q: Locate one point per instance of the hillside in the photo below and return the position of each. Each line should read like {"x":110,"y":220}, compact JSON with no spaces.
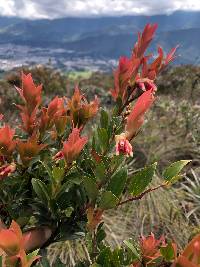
{"x":66,"y":40}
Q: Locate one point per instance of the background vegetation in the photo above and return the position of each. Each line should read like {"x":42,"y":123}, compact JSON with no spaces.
{"x":171,"y":134}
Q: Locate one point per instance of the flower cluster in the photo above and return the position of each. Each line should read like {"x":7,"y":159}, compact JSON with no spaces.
{"x":135,"y":78}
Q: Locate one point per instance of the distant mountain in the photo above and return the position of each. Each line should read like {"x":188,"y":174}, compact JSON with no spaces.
{"x":8,"y":21}
{"x":104,"y":37}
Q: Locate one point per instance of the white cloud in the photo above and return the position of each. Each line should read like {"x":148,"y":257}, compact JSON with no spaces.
{"x":7,"y":8}
{"x":53,"y":9}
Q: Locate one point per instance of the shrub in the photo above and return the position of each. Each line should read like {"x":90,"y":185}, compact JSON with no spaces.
{"x":58,"y":179}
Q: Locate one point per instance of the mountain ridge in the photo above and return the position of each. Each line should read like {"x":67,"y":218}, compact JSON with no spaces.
{"x":104,"y":37}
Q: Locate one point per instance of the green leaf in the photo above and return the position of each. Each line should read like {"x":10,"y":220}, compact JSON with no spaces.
{"x":103,"y":138}
{"x":115,"y":259}
{"x":132,"y":248}
{"x":44,"y":263}
{"x":141,"y":179}
{"x":108,"y":200}
{"x":101,"y":235}
{"x":64,"y":188}
{"x":32,"y":254}
{"x":174,"y":179}
{"x":91,"y":188}
{"x":168,"y":252}
{"x":57,"y":174}
{"x":47,"y":168}
{"x":174,"y":169}
{"x":104,"y":119}
{"x":68,"y":211}
{"x":118,"y":182}
{"x":104,"y":257}
{"x":100,"y":172}
{"x":41,"y":190}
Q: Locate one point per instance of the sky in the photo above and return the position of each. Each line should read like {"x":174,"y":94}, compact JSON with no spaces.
{"x":36,"y":9}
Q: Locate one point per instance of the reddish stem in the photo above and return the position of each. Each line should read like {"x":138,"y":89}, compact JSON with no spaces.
{"x":142,"y":194}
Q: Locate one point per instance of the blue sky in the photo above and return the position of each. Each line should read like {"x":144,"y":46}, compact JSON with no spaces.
{"x":35,"y":9}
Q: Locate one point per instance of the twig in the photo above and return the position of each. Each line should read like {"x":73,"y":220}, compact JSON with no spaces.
{"x":142,"y":194}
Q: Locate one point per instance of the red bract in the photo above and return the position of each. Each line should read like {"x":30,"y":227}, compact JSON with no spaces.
{"x":29,"y":120}
{"x":150,"y":247}
{"x":11,"y":240}
{"x":55,"y":114}
{"x":7,"y":144}
{"x":30,"y":93}
{"x":29,"y":149}
{"x":31,"y":96}
{"x":191,"y":254}
{"x":27,"y":261}
{"x":144,"y":40}
{"x":134,"y":123}
{"x":72,"y":147}
{"x":56,"y":107}
{"x":150,"y":251}
{"x":122,"y":78}
{"x":131,"y":71}
{"x":136,"y":117}
{"x":170,"y":56}
{"x":80,"y":110}
{"x":152,"y":70}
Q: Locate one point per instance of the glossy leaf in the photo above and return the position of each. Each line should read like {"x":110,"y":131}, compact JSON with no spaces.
{"x":91,"y":188}
{"x":132,"y":248}
{"x":41,"y":190}
{"x":108,"y":200}
{"x":57,"y":174}
{"x":141,"y":179}
{"x":103,"y":138}
{"x":174,"y":169}
{"x":118,"y":182}
{"x":104,"y":119}
{"x":168,"y":252}
{"x":100,"y":172}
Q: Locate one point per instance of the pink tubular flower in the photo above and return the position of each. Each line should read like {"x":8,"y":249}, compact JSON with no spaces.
{"x":6,"y":170}
{"x":146,"y":84}
{"x":72,"y":147}
{"x":58,"y":156}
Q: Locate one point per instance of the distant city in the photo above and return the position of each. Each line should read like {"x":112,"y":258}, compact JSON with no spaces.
{"x":14,"y":56}
{"x":93,"y":43}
